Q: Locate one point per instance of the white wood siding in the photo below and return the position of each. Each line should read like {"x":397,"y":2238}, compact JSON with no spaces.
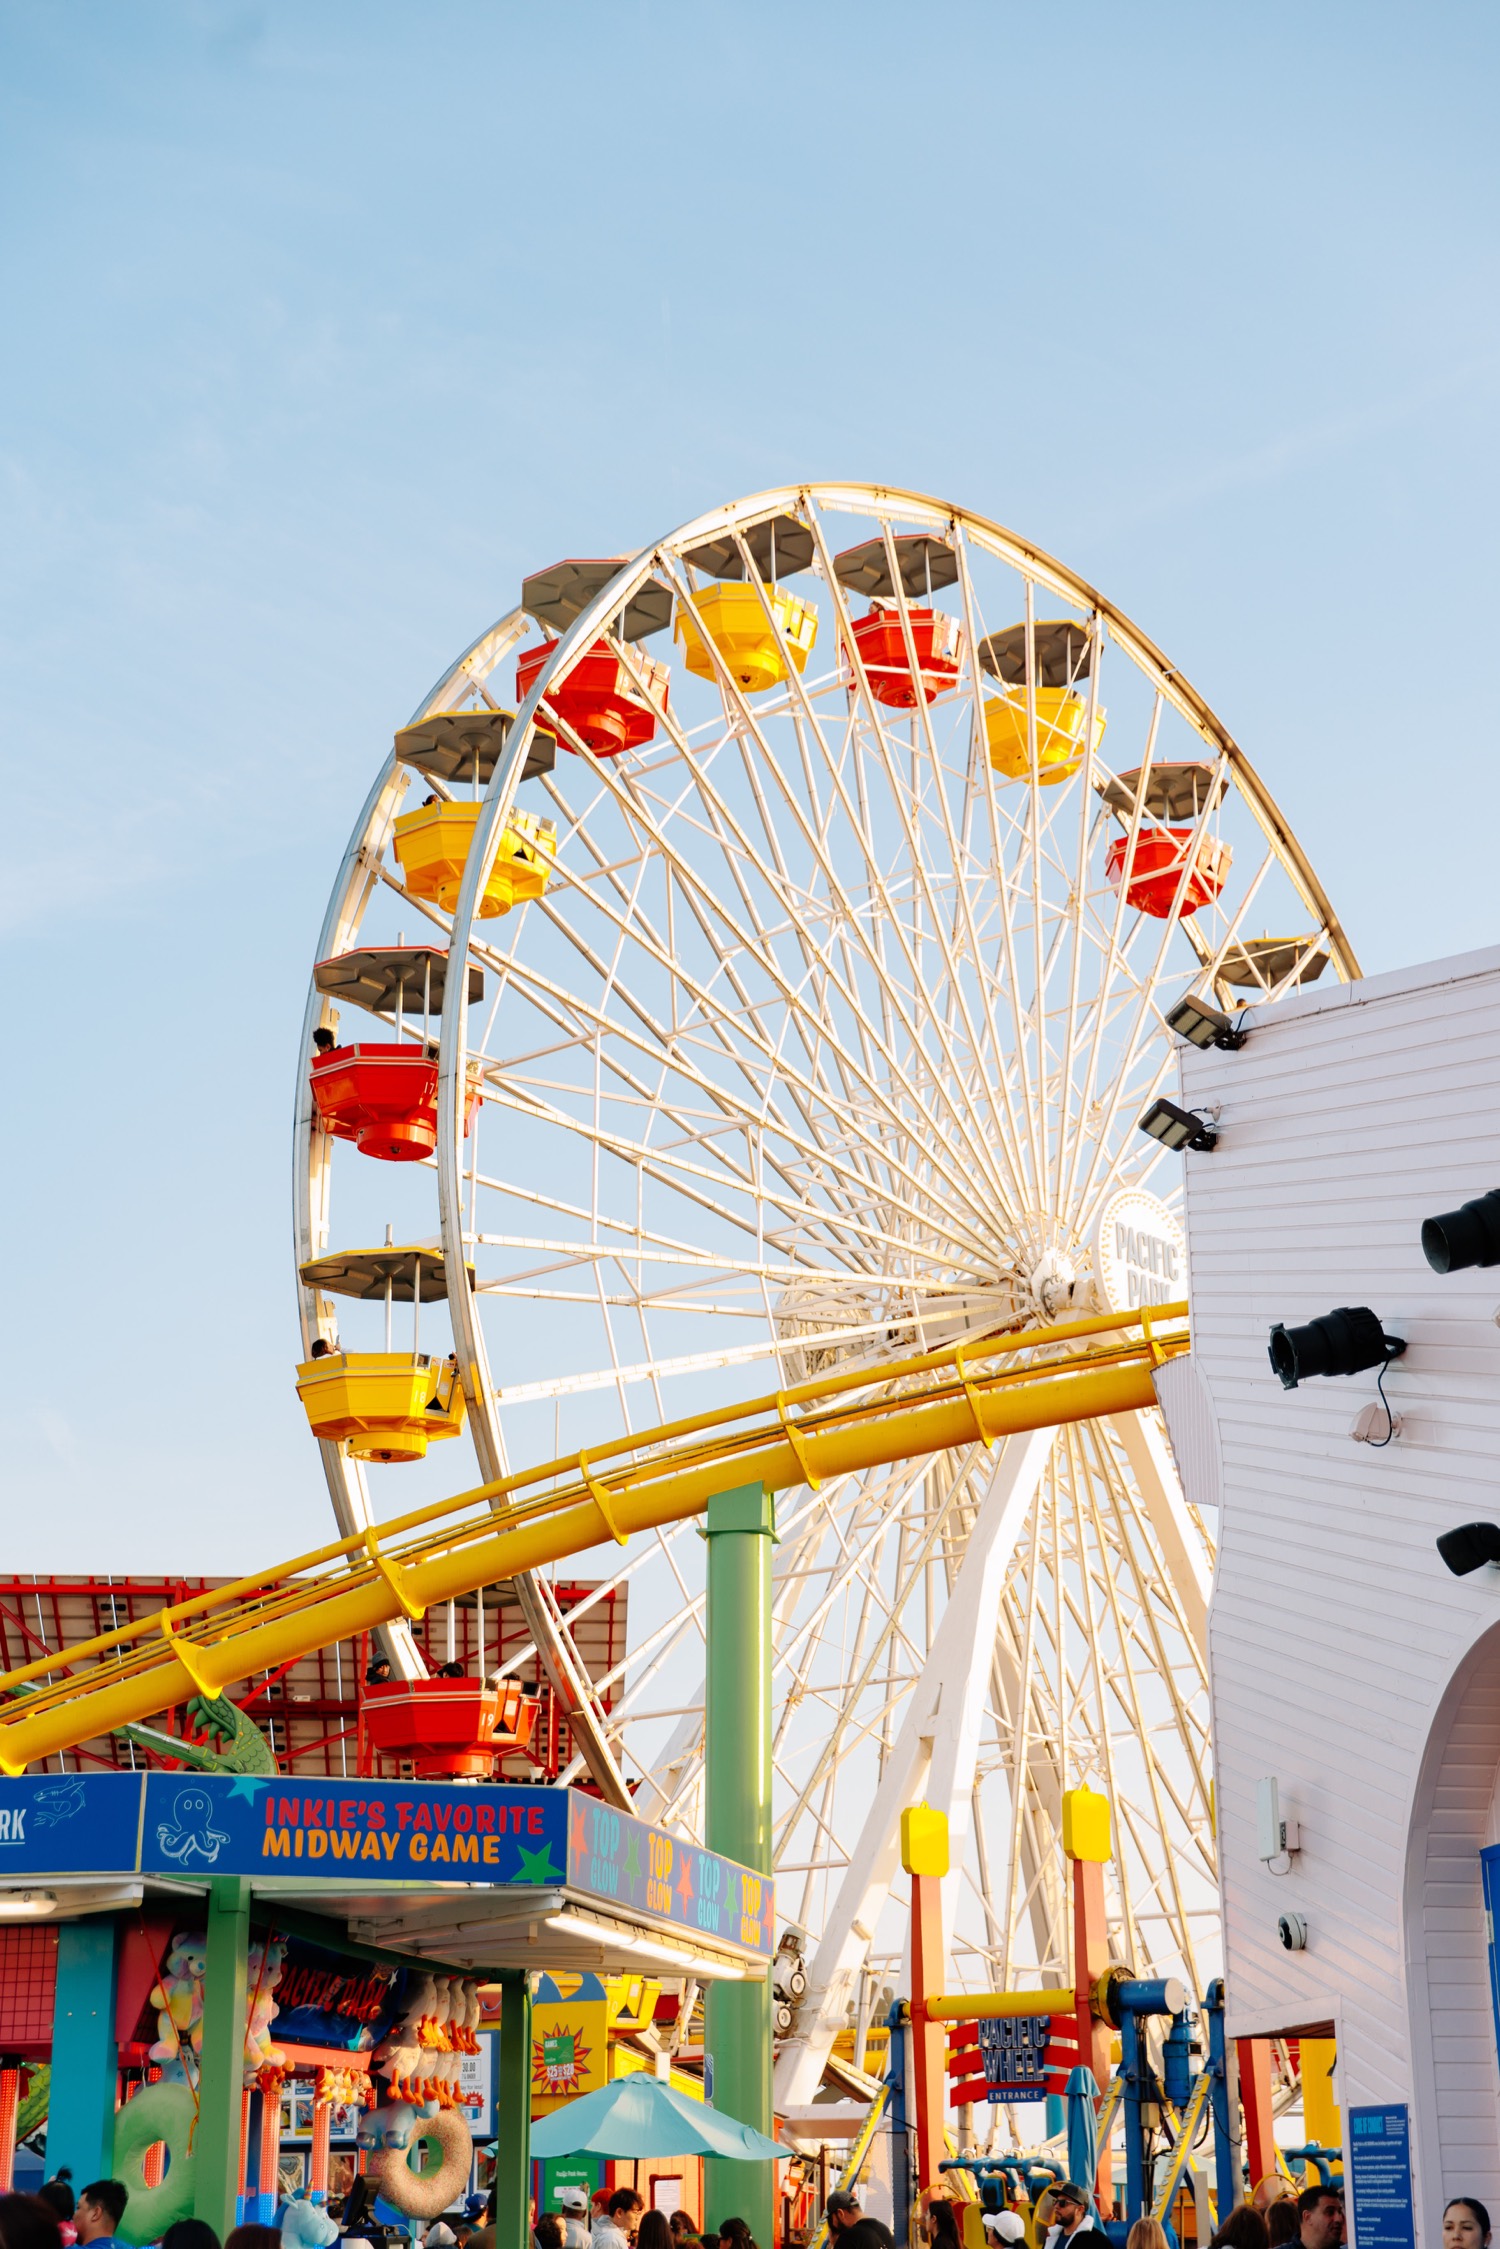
{"x":1345,"y":1658}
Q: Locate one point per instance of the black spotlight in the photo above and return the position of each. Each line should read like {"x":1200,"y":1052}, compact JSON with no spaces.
{"x":1177,"y":1128}
{"x":1470,"y":1547}
{"x":1469,"y":1235}
{"x":1342,"y":1342}
{"x":1204,"y":1026}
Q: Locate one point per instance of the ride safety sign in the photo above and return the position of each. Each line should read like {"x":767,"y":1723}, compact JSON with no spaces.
{"x":362,"y":1832}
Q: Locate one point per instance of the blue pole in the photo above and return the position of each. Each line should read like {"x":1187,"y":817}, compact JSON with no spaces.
{"x":1131,"y":2069}
{"x":81,"y":2122}
{"x":1226,"y":2140}
{"x":895,"y":2077}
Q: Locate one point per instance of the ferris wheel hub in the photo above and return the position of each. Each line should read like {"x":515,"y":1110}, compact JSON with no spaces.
{"x":1053,"y":1284}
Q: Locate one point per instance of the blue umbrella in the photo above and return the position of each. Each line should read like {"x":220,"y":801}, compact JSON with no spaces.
{"x":640,"y":2115}
{"x":1083,"y":2128}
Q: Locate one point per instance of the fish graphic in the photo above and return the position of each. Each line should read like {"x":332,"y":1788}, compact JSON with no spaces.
{"x":57,"y":1800}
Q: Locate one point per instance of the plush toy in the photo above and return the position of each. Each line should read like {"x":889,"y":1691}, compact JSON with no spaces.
{"x":306,"y":2226}
{"x":178,"y":2000}
{"x":422,"y":2178}
{"x":261,"y":2008}
{"x":388,"y":2127}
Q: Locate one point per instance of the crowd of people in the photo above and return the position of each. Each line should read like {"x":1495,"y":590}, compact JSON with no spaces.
{"x":1275,"y":2217}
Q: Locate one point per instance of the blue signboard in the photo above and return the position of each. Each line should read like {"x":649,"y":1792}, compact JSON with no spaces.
{"x":654,"y":1872}
{"x":1013,"y":2050}
{"x":358,"y":1832}
{"x":354,"y":1831}
{"x":69,"y":1823}
{"x":1380,"y":2177}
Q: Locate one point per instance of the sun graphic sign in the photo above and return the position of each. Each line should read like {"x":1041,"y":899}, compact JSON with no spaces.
{"x":569,"y":2041}
{"x":559,"y":2062}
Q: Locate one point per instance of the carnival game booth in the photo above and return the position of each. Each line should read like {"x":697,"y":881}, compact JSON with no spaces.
{"x":185,"y":1949}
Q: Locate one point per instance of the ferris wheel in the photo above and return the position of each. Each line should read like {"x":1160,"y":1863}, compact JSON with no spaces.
{"x":822,"y":876}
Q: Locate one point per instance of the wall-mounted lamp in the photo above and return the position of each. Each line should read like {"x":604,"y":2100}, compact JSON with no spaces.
{"x":1344,"y":1341}
{"x":1470,"y":1547}
{"x":1204,"y":1026}
{"x":1177,"y":1128}
{"x":1469,"y":1235}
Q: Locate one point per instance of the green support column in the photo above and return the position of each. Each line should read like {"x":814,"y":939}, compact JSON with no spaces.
{"x":216,"y":2146}
{"x":741,"y":1531}
{"x":81,"y":2121}
{"x":513,"y":2110}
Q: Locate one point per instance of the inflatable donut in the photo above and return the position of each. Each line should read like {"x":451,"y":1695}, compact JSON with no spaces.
{"x":165,"y":2111}
{"x":423,"y":2177}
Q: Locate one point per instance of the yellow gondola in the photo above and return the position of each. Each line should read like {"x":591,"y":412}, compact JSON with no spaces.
{"x":432,"y":846}
{"x":1061,"y":725}
{"x":734,"y":618}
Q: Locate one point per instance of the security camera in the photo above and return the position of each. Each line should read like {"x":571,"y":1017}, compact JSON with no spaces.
{"x":1292,"y":1930}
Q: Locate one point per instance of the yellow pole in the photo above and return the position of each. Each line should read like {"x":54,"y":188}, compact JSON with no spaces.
{"x":986,"y":2006}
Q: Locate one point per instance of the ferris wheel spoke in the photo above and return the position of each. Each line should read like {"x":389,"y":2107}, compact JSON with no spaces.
{"x":775,"y":1072}
{"x":1138,"y":1720}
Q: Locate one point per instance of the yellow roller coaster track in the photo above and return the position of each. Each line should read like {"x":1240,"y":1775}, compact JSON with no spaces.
{"x":844,"y":1423}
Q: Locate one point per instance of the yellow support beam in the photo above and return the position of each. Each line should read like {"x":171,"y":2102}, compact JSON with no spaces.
{"x":988,"y":2006}
{"x":1076,"y":1371}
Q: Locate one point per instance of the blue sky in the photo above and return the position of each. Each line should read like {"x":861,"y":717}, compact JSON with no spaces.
{"x":326,"y":322}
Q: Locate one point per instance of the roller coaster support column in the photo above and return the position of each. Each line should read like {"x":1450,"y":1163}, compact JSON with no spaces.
{"x":1224,"y":2101}
{"x":221,"y":2080}
{"x":513,"y":2147}
{"x":740,"y":1530}
{"x":924,"y":1854}
{"x":81,"y":2125}
{"x":1254,"y":2058}
{"x":1087,"y":1848}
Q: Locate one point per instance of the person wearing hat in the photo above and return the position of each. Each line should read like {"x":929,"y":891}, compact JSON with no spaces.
{"x":573,"y":2209}
{"x":1005,"y":2225}
{"x":1072,"y":2212}
{"x":850,"y":2228}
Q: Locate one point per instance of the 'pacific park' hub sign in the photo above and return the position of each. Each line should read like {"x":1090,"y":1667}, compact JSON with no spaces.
{"x":1140,"y":1253}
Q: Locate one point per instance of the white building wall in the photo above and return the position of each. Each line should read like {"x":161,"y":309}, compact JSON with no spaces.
{"x":1346,"y":1660}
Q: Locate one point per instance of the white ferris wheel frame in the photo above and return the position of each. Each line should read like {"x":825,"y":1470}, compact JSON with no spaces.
{"x":928,"y":1751}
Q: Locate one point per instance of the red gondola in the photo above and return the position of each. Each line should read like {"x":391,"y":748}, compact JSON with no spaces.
{"x":1156,"y":867}
{"x":382,"y":1097}
{"x":447,"y":1729}
{"x":881,"y":643}
{"x":609,"y":703}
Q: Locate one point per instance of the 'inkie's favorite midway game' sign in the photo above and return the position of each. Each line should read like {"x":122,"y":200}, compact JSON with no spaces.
{"x":358,"y":1833}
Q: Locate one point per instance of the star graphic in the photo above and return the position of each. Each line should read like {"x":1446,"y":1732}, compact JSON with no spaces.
{"x":535,"y":1866}
{"x":685,"y":1883}
{"x":632,"y":1856}
{"x":247,"y":1784}
{"x":578,"y":1838}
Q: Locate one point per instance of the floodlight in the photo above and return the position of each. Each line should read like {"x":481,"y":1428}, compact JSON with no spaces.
{"x":1341,"y":1342}
{"x":1177,"y":1128}
{"x":1203,"y":1026}
{"x":1469,"y":1235}
{"x":1470,"y":1547}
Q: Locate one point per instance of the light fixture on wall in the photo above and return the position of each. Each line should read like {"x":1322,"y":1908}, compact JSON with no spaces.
{"x":1467,"y":1236}
{"x":1204,"y":1026}
{"x":1177,"y":1128}
{"x":27,"y":1905}
{"x":1470,"y":1547}
{"x":1344,"y":1341}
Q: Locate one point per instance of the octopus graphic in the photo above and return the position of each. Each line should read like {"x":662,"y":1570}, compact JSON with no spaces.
{"x":55,"y":1801}
{"x":189,"y":1834}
